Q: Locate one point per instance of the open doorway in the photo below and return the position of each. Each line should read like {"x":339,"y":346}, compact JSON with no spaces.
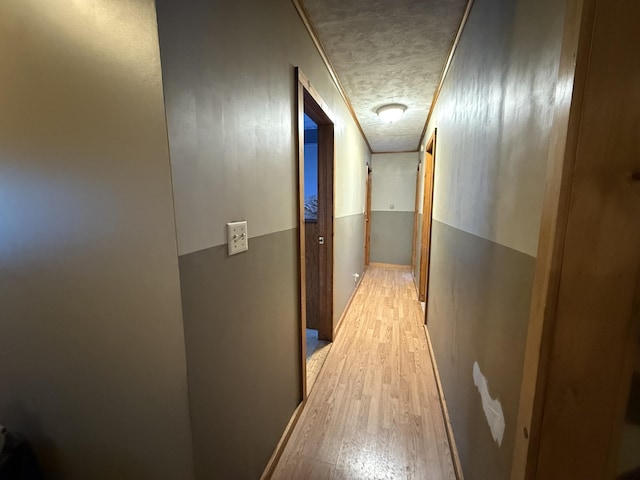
{"x":315,"y":190}
{"x":316,"y":347}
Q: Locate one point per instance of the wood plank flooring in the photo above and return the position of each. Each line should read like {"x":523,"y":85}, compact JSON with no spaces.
{"x":317,"y":351}
{"x":374,"y":412}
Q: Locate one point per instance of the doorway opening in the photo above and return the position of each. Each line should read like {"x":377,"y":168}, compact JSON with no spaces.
{"x":315,"y":191}
{"x":427,"y":218}
{"x":316,"y":347}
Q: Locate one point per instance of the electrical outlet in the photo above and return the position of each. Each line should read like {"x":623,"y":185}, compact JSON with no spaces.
{"x":237,"y":237}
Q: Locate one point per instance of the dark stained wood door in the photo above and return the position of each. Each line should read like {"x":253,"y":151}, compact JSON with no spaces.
{"x":312,"y":263}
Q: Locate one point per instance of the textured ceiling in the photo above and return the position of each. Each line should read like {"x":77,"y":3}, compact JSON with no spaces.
{"x":388,"y":51}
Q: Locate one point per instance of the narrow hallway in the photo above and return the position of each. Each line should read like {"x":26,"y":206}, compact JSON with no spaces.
{"x":374,"y":412}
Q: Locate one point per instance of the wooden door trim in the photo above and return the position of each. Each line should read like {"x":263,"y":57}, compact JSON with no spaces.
{"x":427,"y":216}
{"x":416,"y":215}
{"x":309,"y":100}
{"x":322,"y":110}
{"x":367,"y":238}
{"x":302,"y":281}
{"x":590,"y":166}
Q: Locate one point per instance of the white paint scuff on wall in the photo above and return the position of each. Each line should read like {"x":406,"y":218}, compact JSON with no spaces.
{"x":492,"y":407}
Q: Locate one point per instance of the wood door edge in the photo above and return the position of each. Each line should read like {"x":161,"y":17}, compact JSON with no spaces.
{"x":425,"y":240}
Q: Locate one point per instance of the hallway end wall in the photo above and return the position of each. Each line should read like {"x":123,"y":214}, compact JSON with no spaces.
{"x":494,"y":117}
{"x":230,"y":91}
{"x":392,"y":207}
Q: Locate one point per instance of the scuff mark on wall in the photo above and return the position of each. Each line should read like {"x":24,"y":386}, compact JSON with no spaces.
{"x":492,"y":407}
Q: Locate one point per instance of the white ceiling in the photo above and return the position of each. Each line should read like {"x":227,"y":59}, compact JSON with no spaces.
{"x":388,"y":51}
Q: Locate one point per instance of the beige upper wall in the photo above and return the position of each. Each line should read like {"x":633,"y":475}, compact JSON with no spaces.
{"x":232,"y":129}
{"x":352,"y":156}
{"x":92,"y":360}
{"x":394,"y":181}
{"x":491,"y":154}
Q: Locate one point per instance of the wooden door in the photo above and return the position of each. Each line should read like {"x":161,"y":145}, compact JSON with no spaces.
{"x":312,"y":280}
{"x":416,"y":225}
{"x":325,"y":220}
{"x":313,"y":198}
{"x":427,"y":215}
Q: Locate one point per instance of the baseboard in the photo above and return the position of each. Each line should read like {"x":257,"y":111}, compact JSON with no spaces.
{"x":389,"y":265}
{"x":445,"y":412}
{"x":277,"y":453}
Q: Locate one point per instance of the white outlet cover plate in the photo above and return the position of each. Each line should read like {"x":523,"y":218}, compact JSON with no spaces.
{"x":237,"y":237}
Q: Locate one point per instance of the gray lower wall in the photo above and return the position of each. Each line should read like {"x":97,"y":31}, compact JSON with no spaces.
{"x":243,"y":345}
{"x":243,"y":352}
{"x":92,"y":361}
{"x":478,"y":308}
{"x":348,"y":258}
{"x":391,"y":237}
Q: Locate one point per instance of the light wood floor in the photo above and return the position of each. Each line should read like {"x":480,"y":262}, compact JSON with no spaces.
{"x":317,"y":351}
{"x":374,"y":412}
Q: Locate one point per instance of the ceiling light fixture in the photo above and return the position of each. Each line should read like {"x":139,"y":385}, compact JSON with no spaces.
{"x":391,"y":112}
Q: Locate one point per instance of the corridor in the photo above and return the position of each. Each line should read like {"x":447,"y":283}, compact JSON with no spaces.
{"x":374,"y":412}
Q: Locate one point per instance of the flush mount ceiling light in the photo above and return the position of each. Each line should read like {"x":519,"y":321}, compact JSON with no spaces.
{"x":391,"y":112}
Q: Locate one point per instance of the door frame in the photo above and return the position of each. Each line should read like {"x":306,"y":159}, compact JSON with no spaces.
{"x":416,"y":216}
{"x":367,"y":219}
{"x":427,"y":216}
{"x":310,"y":102}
